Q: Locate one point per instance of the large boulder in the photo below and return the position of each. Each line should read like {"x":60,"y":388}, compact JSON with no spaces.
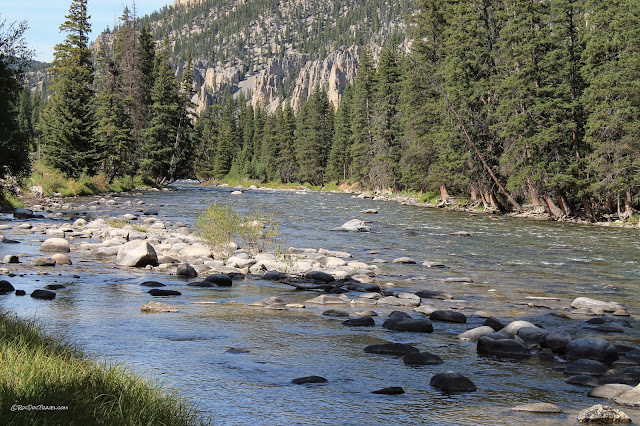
{"x":512,"y":328}
{"x":602,"y":414}
{"x":21,"y":213}
{"x":531,"y":335}
{"x":593,"y":304}
{"x":55,"y":245}
{"x":137,"y":254}
{"x":591,"y":348}
{"x":609,"y":391}
{"x":400,"y":321}
{"x":355,"y":225}
{"x":631,"y":398}
{"x":452,"y":382}
{"x":6,"y":287}
{"x":43,"y":294}
{"x":221,"y":280}
{"x":557,"y":340}
{"x":186,"y":270}
{"x":195,"y":250}
{"x":502,"y":348}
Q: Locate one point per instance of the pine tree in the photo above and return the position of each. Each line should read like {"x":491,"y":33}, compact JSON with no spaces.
{"x":314,"y":132}
{"x":227,"y":139}
{"x":113,"y":136}
{"x":340,"y":154}
{"x":361,"y":117}
{"x":612,"y":100}
{"x":166,"y":111}
{"x":385,"y":147}
{"x":286,"y":142}
{"x":207,"y":137}
{"x":68,"y":120}
{"x":14,"y":57}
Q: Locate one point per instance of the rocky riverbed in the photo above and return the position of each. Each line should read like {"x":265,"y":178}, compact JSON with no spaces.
{"x":579,"y":338}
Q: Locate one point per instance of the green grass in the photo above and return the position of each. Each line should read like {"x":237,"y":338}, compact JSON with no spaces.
{"x":9,"y":201}
{"x":54,"y":181}
{"x":37,"y":369}
{"x":429,"y":197}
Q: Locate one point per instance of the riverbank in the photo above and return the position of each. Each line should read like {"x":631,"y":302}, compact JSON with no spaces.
{"x":430,"y":200}
{"x":46,"y":380}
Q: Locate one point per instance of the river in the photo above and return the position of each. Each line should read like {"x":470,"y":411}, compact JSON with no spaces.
{"x":236,"y":362}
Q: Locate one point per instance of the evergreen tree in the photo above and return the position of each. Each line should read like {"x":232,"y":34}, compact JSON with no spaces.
{"x":207,"y":136}
{"x":314,"y":132}
{"x":340,"y":154}
{"x":361,"y":117}
{"x":114,"y":140}
{"x":385,"y":147}
{"x":286,"y":142}
{"x":68,"y":120}
{"x":166,"y":113}
{"x":612,"y":100}
{"x":14,"y":57}
{"x":227,"y":139}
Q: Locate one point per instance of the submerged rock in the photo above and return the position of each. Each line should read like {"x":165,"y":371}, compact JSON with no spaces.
{"x":422,"y":358}
{"x":152,"y":284}
{"x":452,"y":382}
{"x":587,"y":367}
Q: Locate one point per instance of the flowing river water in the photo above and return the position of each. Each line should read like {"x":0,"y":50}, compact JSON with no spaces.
{"x":236,"y":362}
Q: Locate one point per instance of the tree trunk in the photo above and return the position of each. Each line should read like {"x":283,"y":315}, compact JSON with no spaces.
{"x":555,"y":211}
{"x":588,"y":208}
{"x":564,"y":204}
{"x":533,"y":192}
{"x":444,"y":195}
{"x":497,"y":204}
{"x":628,"y":207}
{"x":608,"y":204}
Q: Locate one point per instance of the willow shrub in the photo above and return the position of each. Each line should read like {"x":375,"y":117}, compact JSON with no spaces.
{"x":220,"y":225}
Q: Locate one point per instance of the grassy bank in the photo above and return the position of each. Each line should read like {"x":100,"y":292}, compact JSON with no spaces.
{"x":54,"y":181}
{"x":40,"y":372}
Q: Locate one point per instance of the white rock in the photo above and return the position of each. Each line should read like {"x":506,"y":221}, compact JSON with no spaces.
{"x":138,"y":253}
{"x":55,"y":245}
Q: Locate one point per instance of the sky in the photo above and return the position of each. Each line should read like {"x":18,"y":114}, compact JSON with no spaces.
{"x":45,"y":16}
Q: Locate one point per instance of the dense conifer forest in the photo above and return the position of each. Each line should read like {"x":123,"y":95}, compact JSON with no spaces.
{"x":504,"y":103}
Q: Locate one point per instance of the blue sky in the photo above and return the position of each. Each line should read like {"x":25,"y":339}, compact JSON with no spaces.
{"x":45,"y":16}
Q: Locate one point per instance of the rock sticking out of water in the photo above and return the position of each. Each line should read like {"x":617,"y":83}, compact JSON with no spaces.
{"x":400,"y":321}
{"x":538,"y":407}
{"x":157,"y":307}
{"x":452,"y":382}
{"x":631,"y":398}
{"x":152,"y":284}
{"x":397,"y":349}
{"x":422,"y":358}
{"x":359,"y":322}
{"x":603,"y":414}
{"x":609,"y":391}
{"x":43,"y":294}
{"x":6,"y":287}
{"x":309,"y":379}
{"x":393,"y":390}
{"x":160,"y":292}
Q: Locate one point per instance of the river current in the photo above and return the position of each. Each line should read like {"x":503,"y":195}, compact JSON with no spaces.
{"x":236,"y":362}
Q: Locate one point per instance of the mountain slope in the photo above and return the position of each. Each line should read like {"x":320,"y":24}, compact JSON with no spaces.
{"x":276,"y":49}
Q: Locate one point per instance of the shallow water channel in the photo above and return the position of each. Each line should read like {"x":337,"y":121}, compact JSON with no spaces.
{"x":236,"y":362}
